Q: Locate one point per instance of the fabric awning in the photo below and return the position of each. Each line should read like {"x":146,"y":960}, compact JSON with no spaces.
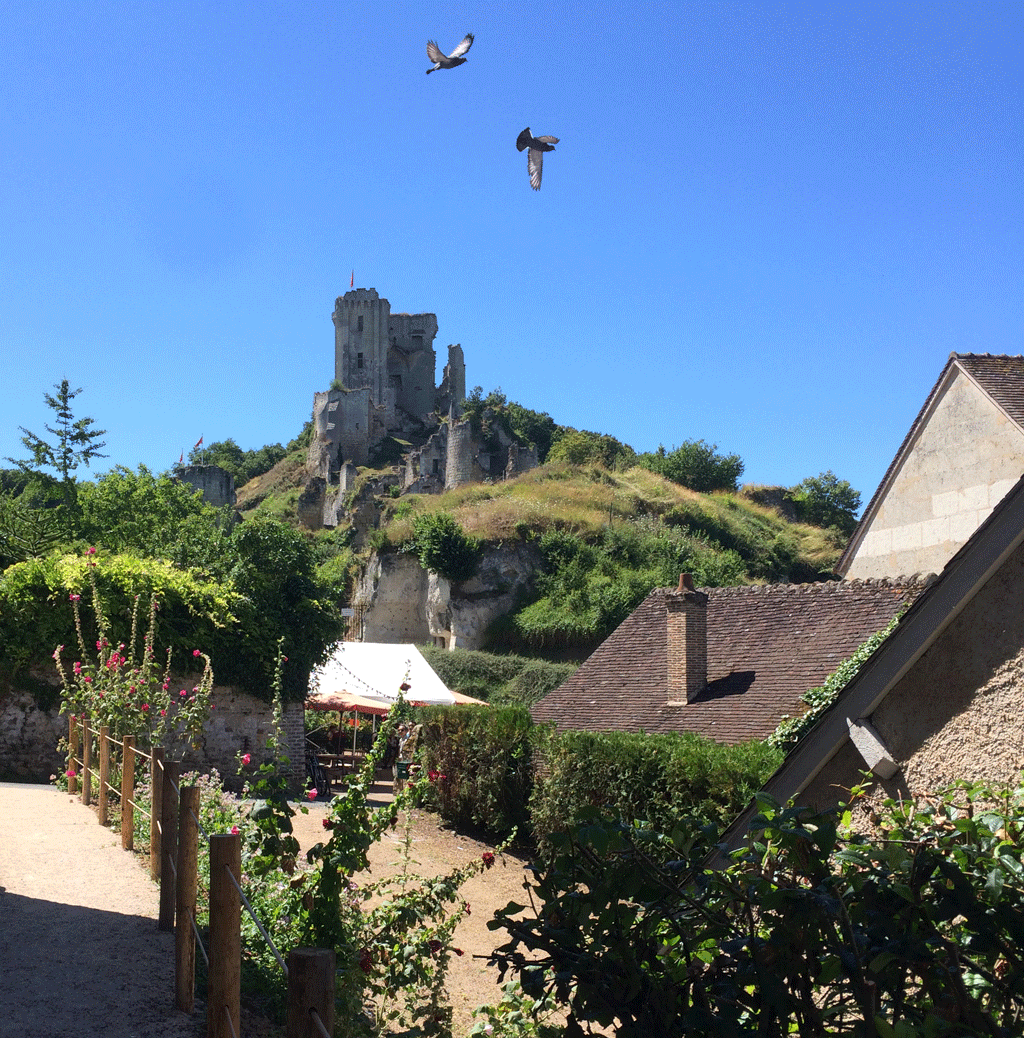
{"x":368,"y":677}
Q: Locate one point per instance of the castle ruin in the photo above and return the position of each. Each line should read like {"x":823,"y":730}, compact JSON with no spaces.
{"x":384,"y":372}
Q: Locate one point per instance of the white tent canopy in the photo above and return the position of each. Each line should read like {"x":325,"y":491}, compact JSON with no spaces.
{"x":375,"y":671}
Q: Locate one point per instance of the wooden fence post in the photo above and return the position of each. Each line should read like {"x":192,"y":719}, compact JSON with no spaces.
{"x":168,"y":843}
{"x":104,"y":770}
{"x":128,"y":793}
{"x":86,"y":762}
{"x":73,"y":755}
{"x":185,"y":901}
{"x":224,"y":987}
{"x":156,"y":786}
{"x":310,"y":987}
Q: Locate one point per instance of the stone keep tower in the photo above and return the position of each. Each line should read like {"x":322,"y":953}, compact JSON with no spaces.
{"x":391,"y":355}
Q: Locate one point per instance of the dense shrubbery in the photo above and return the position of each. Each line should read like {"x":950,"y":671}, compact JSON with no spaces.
{"x":662,"y":780}
{"x":826,"y":500}
{"x":443,"y":547}
{"x":696,"y":465}
{"x":588,"y":589}
{"x":484,"y":760}
{"x":812,"y":929}
{"x":480,"y":763}
{"x":580,"y":447}
{"x":500,"y":680}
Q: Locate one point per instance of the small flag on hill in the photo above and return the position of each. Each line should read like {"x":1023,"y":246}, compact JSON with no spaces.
{"x":198,"y":444}
{"x":181,"y":459}
{"x":352,"y":280}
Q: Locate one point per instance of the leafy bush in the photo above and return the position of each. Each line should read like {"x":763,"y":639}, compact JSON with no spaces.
{"x":662,"y":780}
{"x":810,"y":930}
{"x":480,"y":762}
{"x":580,"y":447}
{"x":696,"y":465}
{"x":443,"y":547}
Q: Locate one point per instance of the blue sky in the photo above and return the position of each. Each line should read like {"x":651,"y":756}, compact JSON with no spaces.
{"x":765,"y":226}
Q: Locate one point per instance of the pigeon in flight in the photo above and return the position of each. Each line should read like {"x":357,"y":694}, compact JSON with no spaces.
{"x":535,"y":159}
{"x":452,"y":60}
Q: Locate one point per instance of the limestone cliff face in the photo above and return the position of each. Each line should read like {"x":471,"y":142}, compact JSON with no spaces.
{"x":399,"y":601}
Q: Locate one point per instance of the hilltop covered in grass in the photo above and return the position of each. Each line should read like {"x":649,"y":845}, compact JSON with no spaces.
{"x":605,"y":539}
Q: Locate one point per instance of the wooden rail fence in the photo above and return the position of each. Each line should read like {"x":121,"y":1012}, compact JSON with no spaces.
{"x":174,"y":863}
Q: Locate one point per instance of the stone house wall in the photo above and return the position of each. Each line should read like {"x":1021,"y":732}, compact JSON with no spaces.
{"x":968,"y":454}
{"x":239,"y":723}
{"x":956,"y":714}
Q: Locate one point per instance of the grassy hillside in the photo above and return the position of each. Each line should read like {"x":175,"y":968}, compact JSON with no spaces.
{"x":607,"y":539}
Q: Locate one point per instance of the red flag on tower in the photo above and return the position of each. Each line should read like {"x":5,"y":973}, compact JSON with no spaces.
{"x":181,"y":459}
{"x":352,"y":280}
{"x":199,"y":444}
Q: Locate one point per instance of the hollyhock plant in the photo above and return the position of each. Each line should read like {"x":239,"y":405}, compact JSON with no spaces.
{"x":124,"y":685}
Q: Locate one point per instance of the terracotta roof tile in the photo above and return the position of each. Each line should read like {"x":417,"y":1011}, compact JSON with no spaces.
{"x":766,"y":646}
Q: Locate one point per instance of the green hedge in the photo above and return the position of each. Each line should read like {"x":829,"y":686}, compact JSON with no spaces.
{"x":480,"y":762}
{"x":493,"y":770}
{"x":659,"y":779}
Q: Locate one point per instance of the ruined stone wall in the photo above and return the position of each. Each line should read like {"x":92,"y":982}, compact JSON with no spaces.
{"x":461,"y":455}
{"x":389,"y":600}
{"x":412,"y":362}
{"x":452,"y":392}
{"x":342,"y":423}
{"x":520,"y":460}
{"x":217,"y":485}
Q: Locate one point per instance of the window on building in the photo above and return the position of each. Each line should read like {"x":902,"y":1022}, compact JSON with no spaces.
{"x":359,"y":360}
{"x":437,"y":465}
{"x":359,"y":323}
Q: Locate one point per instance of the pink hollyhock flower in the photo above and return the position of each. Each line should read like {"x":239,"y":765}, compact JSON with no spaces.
{"x":74,"y":598}
{"x":71,"y":773}
{"x":90,"y":551}
{"x":145,"y":706}
{"x":182,"y":693}
{"x":434,"y":946}
{"x":311,"y":794}
{"x":235,"y":830}
{"x":87,"y":679}
{"x":327,"y":823}
{"x":196,"y":652}
{"x":78,"y":668}
{"x":246,"y":758}
{"x":488,"y":858}
{"x":163,"y":713}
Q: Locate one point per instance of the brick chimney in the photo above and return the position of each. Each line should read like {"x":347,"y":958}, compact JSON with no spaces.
{"x":686,"y":619}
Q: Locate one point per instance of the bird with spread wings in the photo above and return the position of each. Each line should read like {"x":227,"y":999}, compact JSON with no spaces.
{"x":451,"y":60}
{"x":535,"y":158}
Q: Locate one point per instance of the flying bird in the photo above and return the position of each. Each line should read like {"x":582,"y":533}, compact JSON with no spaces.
{"x":452,"y":60}
{"x":535,"y":158}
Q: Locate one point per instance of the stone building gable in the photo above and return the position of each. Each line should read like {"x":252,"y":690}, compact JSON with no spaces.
{"x":961,"y":455}
{"x":766,"y":646}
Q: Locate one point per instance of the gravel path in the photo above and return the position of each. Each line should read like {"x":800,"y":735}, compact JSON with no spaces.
{"x":80,"y":953}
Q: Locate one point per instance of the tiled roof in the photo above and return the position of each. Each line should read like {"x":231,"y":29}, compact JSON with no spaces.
{"x":999,"y":375}
{"x":766,"y":647}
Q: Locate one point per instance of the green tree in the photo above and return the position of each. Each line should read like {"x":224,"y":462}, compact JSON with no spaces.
{"x":697,"y":465}
{"x":580,"y":447}
{"x":137,"y":511}
{"x":76,"y":442}
{"x":826,"y":500}
{"x":243,"y":465}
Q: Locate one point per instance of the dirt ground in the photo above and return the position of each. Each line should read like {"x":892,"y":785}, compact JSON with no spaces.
{"x":79,"y":950}
{"x":435,"y":850}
